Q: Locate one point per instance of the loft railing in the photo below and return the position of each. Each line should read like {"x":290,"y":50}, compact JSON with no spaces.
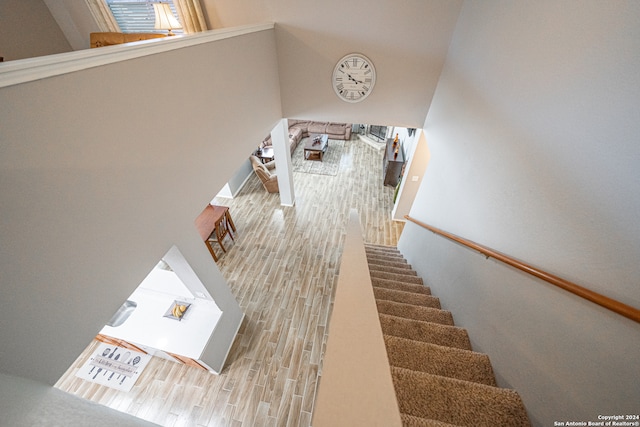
{"x":41,"y":67}
{"x":606,"y":302}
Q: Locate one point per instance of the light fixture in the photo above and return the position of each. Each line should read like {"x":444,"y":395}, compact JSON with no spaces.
{"x":164,"y":18}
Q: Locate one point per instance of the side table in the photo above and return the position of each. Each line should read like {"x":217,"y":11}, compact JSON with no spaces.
{"x":265,"y":154}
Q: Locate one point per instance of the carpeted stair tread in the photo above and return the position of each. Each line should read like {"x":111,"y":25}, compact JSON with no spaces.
{"x":414,"y":298}
{"x":435,"y":333}
{"x":399,"y":263}
{"x":440,"y":360}
{"x":375,"y":257}
{"x":411,"y":421}
{"x":373,"y":246}
{"x":383,"y":252}
{"x":457,"y":402}
{"x":399,"y":286}
{"x":415,"y":312}
{"x":392,"y":269}
{"x":406,"y":278}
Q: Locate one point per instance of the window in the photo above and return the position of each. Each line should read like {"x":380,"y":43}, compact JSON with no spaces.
{"x":136,"y":16}
{"x":189,"y":14}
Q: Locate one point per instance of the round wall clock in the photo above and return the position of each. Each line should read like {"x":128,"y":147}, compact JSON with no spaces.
{"x":353,"y":77}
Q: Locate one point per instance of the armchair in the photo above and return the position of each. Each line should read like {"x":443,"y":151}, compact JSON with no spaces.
{"x":266,"y":173}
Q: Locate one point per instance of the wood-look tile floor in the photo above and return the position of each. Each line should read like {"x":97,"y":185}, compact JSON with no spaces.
{"x":282,"y":268}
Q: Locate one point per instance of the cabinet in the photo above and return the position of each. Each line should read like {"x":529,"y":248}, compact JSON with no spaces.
{"x":392,"y":164}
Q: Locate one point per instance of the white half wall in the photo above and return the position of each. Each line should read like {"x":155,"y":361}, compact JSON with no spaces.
{"x":102,"y":173}
{"x":533,"y":133}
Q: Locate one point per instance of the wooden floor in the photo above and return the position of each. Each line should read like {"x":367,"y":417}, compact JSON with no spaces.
{"x":282,"y":268}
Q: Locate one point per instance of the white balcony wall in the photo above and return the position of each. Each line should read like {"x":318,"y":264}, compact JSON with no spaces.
{"x":103,"y":170}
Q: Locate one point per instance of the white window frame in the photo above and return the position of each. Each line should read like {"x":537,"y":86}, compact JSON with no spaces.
{"x":189,"y":13}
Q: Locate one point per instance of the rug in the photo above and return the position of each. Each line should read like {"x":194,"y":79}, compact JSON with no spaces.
{"x":329,"y":165}
{"x":114,"y":367}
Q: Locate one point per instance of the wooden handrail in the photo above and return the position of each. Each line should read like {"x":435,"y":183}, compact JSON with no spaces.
{"x":606,"y":302}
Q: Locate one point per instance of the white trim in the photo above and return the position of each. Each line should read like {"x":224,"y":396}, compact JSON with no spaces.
{"x":31,"y":69}
{"x":103,"y":16}
{"x":191,"y":16}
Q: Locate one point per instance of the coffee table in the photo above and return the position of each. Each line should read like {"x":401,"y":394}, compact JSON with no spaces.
{"x":316,"y":146}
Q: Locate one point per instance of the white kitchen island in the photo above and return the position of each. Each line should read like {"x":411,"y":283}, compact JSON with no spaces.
{"x":148,"y":328}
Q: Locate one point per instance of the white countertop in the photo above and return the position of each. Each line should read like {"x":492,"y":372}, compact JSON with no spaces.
{"x":148,"y":327}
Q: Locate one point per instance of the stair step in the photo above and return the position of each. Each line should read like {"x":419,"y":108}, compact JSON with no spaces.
{"x":406,"y":278}
{"x":371,"y":246}
{"x":399,"y":286}
{"x":392,"y":262}
{"x":392,"y":269}
{"x":415,"y":312}
{"x":439,"y":360}
{"x":411,"y":421}
{"x":418,"y":330}
{"x":457,"y":402}
{"x":384,"y":254}
{"x":422,"y":300}
{"x":381,"y":257}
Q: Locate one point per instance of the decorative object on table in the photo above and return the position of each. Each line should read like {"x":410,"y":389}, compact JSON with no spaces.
{"x":177,"y":310}
{"x":395,"y":141}
{"x":114,"y":367}
{"x":354,"y":77}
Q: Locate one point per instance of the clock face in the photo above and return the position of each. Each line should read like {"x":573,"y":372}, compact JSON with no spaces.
{"x":353,"y":77}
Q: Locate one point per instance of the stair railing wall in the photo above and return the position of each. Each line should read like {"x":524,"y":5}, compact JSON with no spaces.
{"x":356,"y":387}
{"x":604,"y":301}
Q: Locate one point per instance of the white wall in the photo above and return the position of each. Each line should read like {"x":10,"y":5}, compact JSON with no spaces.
{"x":75,"y":20}
{"x":26,"y":402}
{"x":417,"y":158}
{"x":533,"y":133}
{"x":237,"y":181}
{"x":27,"y":29}
{"x":103,"y":171}
{"x":407,"y":45}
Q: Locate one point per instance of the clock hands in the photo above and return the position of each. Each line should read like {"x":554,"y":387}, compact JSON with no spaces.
{"x":354,"y":80}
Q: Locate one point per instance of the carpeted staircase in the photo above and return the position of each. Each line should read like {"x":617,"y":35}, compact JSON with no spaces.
{"x":439,"y":380}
